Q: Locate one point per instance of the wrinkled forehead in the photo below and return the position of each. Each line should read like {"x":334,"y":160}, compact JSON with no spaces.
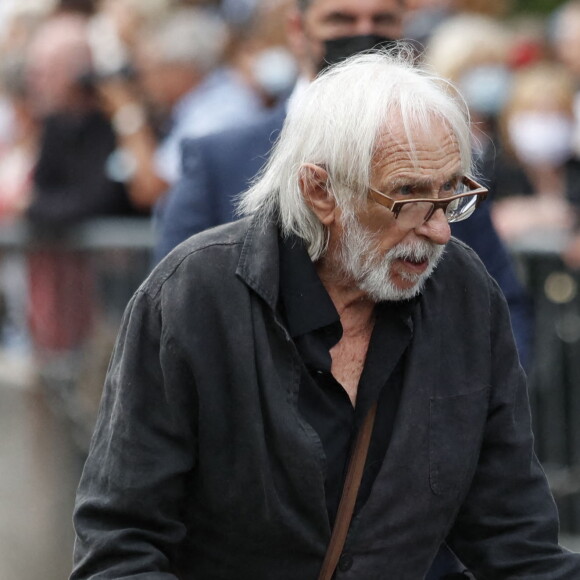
{"x":427,"y":147}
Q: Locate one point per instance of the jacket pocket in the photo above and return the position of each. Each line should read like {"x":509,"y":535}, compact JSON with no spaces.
{"x":456,"y":426}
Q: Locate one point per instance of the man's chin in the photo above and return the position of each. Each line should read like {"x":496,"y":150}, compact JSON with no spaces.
{"x":390,"y":282}
{"x":397,"y":293}
{"x":389,"y":290}
{"x":399,"y":274}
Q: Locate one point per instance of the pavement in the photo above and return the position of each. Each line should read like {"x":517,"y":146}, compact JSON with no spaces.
{"x":39,"y":471}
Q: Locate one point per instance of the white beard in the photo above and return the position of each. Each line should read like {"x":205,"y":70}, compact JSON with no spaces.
{"x":372,"y":271}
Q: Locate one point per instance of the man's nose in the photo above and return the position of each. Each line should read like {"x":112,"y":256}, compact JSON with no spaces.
{"x":436,"y":228}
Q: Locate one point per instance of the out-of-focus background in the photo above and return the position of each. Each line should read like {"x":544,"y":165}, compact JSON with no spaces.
{"x":94,"y":98}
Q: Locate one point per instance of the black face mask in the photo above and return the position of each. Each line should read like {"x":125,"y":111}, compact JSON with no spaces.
{"x":339,"y":49}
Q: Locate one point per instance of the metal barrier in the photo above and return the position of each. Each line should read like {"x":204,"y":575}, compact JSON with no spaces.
{"x":554,"y":377}
{"x":78,"y":285}
{"x":117,"y":253}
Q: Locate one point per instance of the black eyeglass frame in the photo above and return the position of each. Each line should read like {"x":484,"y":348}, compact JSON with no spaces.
{"x":396,"y":206}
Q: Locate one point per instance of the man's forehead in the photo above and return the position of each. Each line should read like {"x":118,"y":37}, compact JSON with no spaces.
{"x":399,"y":136}
{"x":429,"y":148}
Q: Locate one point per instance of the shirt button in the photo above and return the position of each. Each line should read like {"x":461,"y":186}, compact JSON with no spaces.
{"x":345,"y":562}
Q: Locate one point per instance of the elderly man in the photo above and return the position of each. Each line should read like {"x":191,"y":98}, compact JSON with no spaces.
{"x":255,"y":355}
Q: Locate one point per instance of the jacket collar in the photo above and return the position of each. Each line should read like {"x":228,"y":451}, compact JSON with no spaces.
{"x":258,"y":265}
{"x":304,"y":300}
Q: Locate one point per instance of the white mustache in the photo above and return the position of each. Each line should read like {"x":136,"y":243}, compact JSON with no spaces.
{"x":419,"y":251}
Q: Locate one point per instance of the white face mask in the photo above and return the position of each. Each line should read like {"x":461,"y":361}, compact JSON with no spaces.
{"x":275,"y":70}
{"x":485,"y":88}
{"x":541,"y":138}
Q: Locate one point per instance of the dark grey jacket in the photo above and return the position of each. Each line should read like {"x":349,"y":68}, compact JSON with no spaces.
{"x":201,"y":467}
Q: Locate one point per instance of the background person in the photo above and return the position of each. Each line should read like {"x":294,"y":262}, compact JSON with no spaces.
{"x":178,"y":67}
{"x":538,"y":128}
{"x":70,"y":183}
{"x":71,"y":178}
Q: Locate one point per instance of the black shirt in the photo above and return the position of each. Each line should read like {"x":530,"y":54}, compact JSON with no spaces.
{"x":314,"y":324}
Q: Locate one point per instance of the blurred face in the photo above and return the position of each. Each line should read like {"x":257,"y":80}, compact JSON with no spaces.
{"x":540,"y":121}
{"x":49,"y":81}
{"x":56,"y":59}
{"x":164,"y":83}
{"x":384,"y":259}
{"x":331,"y":19}
{"x":151,"y":73}
{"x":542,"y":138}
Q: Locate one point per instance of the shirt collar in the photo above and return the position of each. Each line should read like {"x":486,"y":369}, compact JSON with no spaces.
{"x":305,"y":302}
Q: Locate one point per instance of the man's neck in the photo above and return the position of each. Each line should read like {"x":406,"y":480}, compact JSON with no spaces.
{"x":354,"y":307}
{"x":356,"y":313}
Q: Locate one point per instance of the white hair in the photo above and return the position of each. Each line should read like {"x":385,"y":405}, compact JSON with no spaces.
{"x":336,"y":124}
{"x":190,"y":35}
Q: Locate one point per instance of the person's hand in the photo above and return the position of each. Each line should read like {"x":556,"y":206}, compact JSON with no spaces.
{"x":119,"y":102}
{"x":115,"y":93}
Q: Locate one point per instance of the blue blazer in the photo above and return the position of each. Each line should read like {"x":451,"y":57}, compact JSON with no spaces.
{"x":217,"y":168}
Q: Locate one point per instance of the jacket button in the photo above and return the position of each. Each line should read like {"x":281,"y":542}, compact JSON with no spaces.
{"x":345,"y":562}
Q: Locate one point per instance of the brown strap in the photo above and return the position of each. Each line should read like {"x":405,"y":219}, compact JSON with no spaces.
{"x":348,"y":498}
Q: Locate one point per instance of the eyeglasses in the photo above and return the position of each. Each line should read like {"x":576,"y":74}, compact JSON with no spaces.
{"x":412,"y":213}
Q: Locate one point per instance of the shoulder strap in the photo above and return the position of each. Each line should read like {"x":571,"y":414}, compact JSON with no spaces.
{"x":348,"y":497}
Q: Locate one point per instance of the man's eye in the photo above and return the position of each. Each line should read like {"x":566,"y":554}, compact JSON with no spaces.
{"x":451,"y":187}
{"x":339,"y":18}
{"x":405,"y":190}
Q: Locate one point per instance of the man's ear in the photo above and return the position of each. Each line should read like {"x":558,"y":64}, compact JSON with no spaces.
{"x":317,"y":194}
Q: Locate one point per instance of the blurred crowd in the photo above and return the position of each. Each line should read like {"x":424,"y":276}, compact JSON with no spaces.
{"x":96,"y":97}
{"x":521,"y":79}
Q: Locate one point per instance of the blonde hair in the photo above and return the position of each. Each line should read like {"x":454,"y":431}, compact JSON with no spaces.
{"x":465,"y":41}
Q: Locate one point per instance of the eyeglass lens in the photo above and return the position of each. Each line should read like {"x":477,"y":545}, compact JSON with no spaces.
{"x":413,"y":214}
